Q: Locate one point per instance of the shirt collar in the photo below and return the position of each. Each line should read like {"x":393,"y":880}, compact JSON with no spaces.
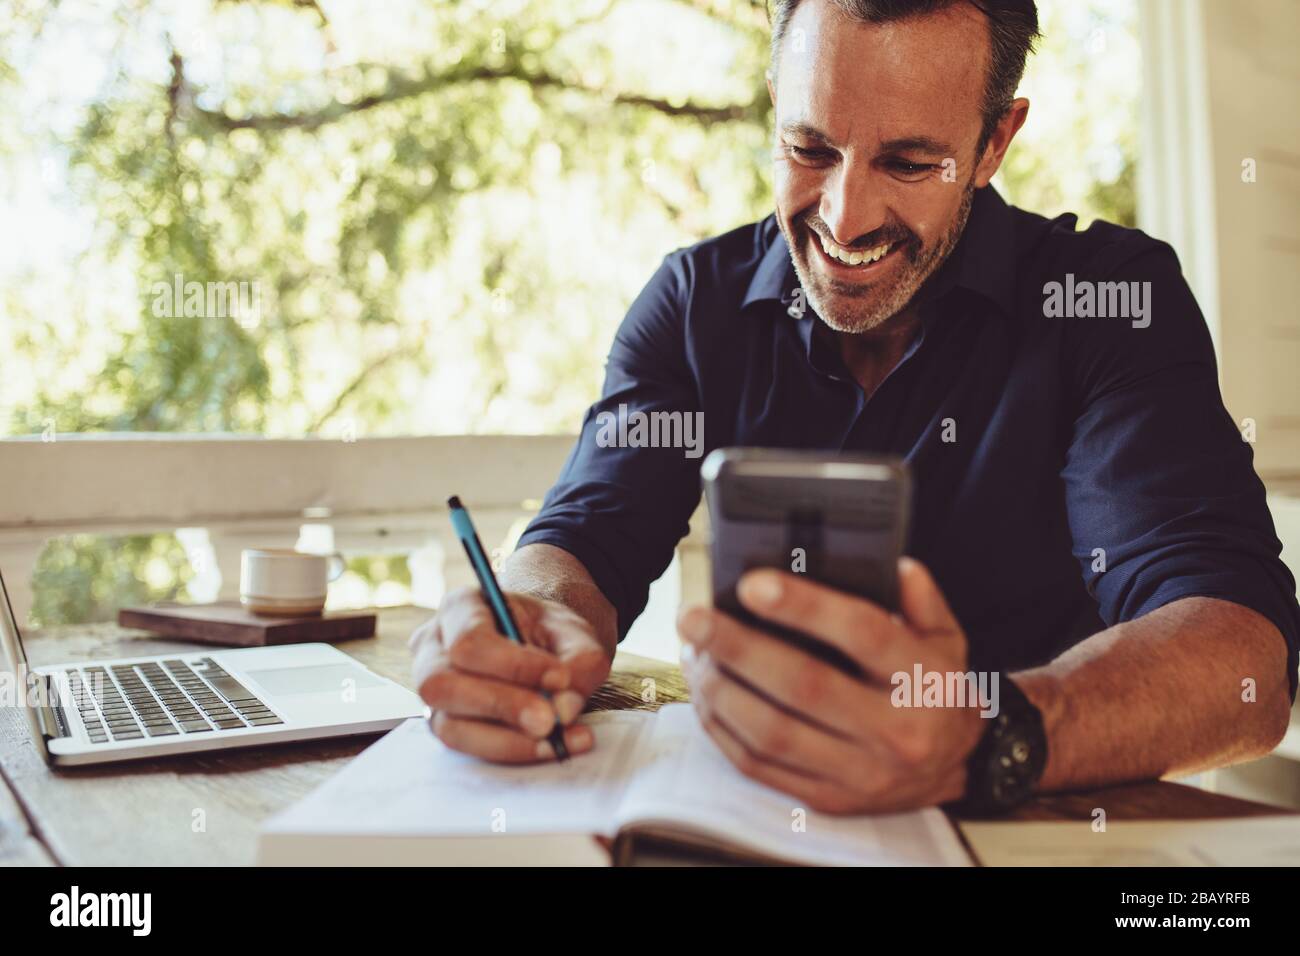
{"x":775,"y":278}
{"x":983,"y":261}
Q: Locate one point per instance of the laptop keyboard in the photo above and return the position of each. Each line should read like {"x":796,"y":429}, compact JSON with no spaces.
{"x":163,"y":699}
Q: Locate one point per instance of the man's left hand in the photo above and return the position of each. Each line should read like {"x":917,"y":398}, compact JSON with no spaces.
{"x":804,"y":726}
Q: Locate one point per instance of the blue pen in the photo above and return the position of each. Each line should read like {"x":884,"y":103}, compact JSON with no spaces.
{"x":505,"y":621}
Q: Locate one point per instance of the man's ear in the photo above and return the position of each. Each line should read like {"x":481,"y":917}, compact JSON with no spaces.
{"x":771,"y":87}
{"x":1003,"y":133}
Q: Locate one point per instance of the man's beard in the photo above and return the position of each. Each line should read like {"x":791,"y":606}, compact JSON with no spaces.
{"x":860,"y":307}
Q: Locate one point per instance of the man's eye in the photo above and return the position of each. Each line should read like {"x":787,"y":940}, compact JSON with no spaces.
{"x":909,"y":170}
{"x":811,"y":156}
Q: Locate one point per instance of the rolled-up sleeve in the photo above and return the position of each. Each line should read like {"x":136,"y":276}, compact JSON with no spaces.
{"x":621,"y":510}
{"x":1161,"y":492}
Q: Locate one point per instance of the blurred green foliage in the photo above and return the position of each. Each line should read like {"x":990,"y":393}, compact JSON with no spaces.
{"x":445,"y":207}
{"x":88,"y":577}
{"x":381,"y":568}
{"x":444,"y":210}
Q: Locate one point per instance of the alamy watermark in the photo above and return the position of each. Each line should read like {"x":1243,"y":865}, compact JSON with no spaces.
{"x":639,"y":429}
{"x":75,"y":908}
{"x":1084,"y":299}
{"x":922,"y":688}
{"x":190,"y":299}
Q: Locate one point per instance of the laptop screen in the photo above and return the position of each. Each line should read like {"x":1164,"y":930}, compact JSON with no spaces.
{"x":10,"y":637}
{"x":15,"y":661}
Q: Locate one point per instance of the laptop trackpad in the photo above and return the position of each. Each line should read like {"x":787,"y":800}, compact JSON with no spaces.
{"x":314,"y":679}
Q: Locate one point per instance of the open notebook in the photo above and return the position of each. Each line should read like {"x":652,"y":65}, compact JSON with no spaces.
{"x":408,"y":800}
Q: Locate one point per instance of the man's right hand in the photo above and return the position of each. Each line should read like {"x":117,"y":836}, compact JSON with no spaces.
{"x":486,"y":691}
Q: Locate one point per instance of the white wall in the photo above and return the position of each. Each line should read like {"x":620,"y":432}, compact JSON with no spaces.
{"x":1219,"y":91}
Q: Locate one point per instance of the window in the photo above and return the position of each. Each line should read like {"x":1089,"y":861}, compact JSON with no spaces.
{"x":298,"y":219}
{"x":288,"y":222}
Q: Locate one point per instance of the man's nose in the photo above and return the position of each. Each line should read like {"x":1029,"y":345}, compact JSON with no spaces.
{"x":850,"y":206}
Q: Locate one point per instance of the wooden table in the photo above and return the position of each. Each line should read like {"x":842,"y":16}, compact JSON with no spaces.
{"x":206,"y":808}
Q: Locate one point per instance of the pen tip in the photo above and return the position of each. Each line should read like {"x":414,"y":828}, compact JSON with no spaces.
{"x":454,"y":502}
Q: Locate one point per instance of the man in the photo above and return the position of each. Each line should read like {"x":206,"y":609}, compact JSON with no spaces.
{"x":1094,"y":531}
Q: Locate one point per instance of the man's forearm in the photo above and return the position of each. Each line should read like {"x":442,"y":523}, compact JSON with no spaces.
{"x":1168,"y":693}
{"x":552,"y":574}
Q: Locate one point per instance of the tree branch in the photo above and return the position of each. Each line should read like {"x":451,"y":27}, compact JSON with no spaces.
{"x":355,"y":385}
{"x":175,"y":89}
{"x":404,"y":87}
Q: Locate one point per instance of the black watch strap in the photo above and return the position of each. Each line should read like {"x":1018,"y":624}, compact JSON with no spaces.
{"x":1005,"y":766}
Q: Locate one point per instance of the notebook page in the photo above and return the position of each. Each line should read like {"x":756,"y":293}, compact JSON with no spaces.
{"x":408,"y":784}
{"x":683,"y":779}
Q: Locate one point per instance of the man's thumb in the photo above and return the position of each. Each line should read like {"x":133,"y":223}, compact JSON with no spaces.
{"x":921,"y":602}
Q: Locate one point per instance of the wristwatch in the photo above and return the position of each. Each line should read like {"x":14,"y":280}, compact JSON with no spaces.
{"x":1008,"y":761}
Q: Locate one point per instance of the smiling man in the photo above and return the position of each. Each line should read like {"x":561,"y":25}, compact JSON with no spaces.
{"x":1087,"y":529}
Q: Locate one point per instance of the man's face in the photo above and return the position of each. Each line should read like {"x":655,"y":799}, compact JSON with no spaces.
{"x":876,"y":132}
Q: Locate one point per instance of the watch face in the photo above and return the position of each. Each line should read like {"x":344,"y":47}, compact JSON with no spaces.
{"x":1011,"y":771}
{"x":1010,"y":759}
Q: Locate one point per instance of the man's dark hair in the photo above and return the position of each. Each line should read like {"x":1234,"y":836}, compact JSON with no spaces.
{"x":1013,"y":27}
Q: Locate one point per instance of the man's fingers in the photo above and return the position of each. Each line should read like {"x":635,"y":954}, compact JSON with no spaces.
{"x":482,"y":685}
{"x":820,"y":795}
{"x":864,"y":631}
{"x":466,"y":695}
{"x":482,"y":651}
{"x":561,"y":648}
{"x":779,"y":737}
{"x":573,"y":640}
{"x":788,"y":675}
{"x":500,"y":744}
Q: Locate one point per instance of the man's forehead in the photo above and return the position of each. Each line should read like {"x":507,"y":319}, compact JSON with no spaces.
{"x":950,"y":29}
{"x":833,"y":69}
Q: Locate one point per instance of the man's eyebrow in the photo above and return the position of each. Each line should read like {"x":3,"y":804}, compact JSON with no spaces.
{"x":919,"y":144}
{"x":902,"y":144}
{"x":806,"y":131}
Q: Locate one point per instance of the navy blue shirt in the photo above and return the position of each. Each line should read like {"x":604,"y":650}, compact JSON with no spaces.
{"x":1069,"y":472}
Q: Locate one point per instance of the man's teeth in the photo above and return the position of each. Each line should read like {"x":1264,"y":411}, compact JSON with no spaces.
{"x":852,"y":257}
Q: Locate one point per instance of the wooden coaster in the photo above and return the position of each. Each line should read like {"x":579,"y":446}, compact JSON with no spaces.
{"x":231,"y":624}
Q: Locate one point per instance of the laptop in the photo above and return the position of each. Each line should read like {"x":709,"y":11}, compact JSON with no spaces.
{"x":132,"y":708}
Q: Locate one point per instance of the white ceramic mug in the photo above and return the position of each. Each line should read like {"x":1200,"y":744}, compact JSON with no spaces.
{"x":280,"y":581}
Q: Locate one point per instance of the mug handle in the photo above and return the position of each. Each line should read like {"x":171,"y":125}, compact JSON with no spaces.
{"x":337,"y":559}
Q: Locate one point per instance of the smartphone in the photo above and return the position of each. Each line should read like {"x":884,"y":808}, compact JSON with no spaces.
{"x":839,"y":518}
